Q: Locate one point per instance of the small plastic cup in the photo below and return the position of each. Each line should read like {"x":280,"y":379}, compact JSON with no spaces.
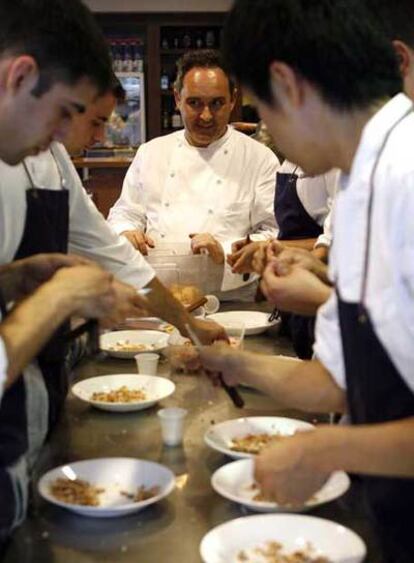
{"x":172,"y":425}
{"x":147,"y":363}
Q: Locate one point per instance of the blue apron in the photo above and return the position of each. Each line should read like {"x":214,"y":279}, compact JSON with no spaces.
{"x":295,"y":223}
{"x":31,"y":406}
{"x":376,"y":394}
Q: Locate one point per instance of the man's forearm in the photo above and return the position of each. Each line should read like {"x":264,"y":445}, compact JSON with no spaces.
{"x":305,"y":243}
{"x":10,"y":275}
{"x":30,"y":325}
{"x":378,"y":449}
{"x":306,"y":386}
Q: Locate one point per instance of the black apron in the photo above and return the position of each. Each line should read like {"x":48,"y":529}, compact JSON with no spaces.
{"x":31,"y":406}
{"x":377,"y":393}
{"x":295,"y":223}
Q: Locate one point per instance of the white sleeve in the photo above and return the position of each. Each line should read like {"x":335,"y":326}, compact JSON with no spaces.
{"x":328,"y":342}
{"x":331,"y":182}
{"x":3,"y":367}
{"x":92,"y":237}
{"x":128,"y":213}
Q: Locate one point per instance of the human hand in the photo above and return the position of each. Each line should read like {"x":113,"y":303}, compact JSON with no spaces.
{"x":221,"y":360}
{"x":22,"y":277}
{"x":293,"y":289}
{"x":264,"y":253}
{"x":207,"y":331}
{"x":241,"y":259}
{"x":128,"y":303}
{"x":139,"y":240}
{"x":87,"y":291}
{"x":287,"y":473}
{"x":206,"y":242}
{"x":304,"y":259}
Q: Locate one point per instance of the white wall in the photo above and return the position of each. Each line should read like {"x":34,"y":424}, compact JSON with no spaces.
{"x":159,"y":5}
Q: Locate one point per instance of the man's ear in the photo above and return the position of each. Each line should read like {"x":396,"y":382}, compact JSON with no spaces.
{"x":177,"y":98}
{"x":23,"y":71}
{"x":286,"y":84}
{"x":234,"y":98}
{"x":403,"y":56}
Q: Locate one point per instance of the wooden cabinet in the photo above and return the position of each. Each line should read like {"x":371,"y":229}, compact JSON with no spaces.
{"x":163,"y":39}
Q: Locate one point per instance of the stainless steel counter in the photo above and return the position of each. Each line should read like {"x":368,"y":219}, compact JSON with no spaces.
{"x":170,"y":531}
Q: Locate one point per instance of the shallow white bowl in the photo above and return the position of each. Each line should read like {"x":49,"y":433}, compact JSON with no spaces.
{"x":293,"y":531}
{"x":115,"y":475}
{"x":220,"y":436}
{"x":255,"y":322}
{"x":234,"y":481}
{"x":154,"y":339}
{"x":156,"y":389}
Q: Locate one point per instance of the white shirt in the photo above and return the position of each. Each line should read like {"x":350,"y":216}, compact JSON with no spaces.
{"x":89,"y":233}
{"x":390,"y":290}
{"x":316,"y":193}
{"x":173,"y":189}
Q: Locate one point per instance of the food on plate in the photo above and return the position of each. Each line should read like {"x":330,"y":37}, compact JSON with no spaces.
{"x":127,"y":346}
{"x":259,"y":496}
{"x":76,"y":491}
{"x":120,"y":395}
{"x":186,"y":294}
{"x":253,"y":443}
{"x":273,"y":552}
{"x":142,"y":493}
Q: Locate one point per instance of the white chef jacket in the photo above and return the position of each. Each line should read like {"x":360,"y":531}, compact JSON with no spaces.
{"x":173,"y":189}
{"x":316,"y":193}
{"x":89,"y":233}
{"x":390,"y":290}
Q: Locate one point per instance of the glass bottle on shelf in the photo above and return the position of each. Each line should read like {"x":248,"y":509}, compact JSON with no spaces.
{"x":164,"y":43}
{"x":176,"y":43}
{"x":117,"y":62}
{"x":187,"y":40}
{"x":128,"y":63}
{"x":176,"y":121}
{"x":165,"y":81}
{"x":166,"y":120}
{"x":210,"y":39}
{"x":199,"y":42}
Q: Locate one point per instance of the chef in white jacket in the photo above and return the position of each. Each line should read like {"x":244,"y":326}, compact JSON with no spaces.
{"x":207,"y":185}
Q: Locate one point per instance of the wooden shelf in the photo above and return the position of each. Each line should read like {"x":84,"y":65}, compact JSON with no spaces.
{"x":174,"y":52}
{"x":103,"y":162}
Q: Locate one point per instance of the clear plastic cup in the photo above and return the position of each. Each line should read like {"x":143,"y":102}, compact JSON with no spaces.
{"x":172,"y":425}
{"x":235,"y":332}
{"x":147,"y":363}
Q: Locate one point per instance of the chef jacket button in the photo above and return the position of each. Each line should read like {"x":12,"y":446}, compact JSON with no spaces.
{"x":167,"y":204}
{"x":219,"y":181}
{"x":226,"y":151}
{"x":172,"y":174}
{"x":210,"y":212}
{"x":162,"y":235}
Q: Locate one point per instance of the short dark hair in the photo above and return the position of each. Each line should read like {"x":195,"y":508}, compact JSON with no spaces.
{"x":333,"y":44}
{"x":201,"y":58}
{"x":61,"y":35}
{"x":117,"y":90}
{"x":395,"y":18}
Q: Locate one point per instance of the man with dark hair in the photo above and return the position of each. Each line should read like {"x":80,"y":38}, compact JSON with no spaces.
{"x":204,"y":187}
{"x":326,"y":82}
{"x":53,"y":62}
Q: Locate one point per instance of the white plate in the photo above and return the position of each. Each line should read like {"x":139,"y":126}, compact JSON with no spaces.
{"x":156,"y":389}
{"x":115,"y":474}
{"x":234,"y":481}
{"x":293,"y":531}
{"x":220,"y":436}
{"x":255,"y":322}
{"x":154,"y":339}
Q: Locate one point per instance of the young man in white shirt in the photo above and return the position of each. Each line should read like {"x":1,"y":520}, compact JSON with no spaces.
{"x":341,"y":108}
{"x":207,"y":185}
